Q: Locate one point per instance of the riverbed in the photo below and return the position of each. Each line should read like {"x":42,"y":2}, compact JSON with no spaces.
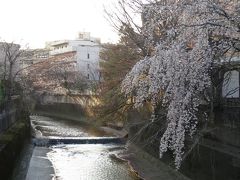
{"x":74,"y":161}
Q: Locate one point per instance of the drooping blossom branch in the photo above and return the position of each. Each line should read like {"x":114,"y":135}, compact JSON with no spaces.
{"x":191,"y":36}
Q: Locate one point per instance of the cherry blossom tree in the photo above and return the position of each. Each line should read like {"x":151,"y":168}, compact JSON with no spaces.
{"x":186,"y":39}
{"x":51,"y":75}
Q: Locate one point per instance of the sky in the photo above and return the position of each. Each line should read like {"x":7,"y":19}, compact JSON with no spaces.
{"x":33,"y":22}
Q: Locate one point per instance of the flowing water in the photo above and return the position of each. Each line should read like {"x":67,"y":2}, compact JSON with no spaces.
{"x":52,"y":127}
{"x":88,"y":162}
{"x":81,"y":161}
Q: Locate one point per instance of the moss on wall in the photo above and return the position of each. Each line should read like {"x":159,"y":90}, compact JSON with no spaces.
{"x":11,"y":143}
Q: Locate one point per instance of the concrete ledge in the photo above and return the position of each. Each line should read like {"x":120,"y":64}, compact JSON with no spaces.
{"x":40,"y":168}
{"x":148,"y":167}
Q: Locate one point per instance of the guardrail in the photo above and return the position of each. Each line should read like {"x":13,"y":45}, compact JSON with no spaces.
{"x":9,"y":113}
{"x":7,"y":119}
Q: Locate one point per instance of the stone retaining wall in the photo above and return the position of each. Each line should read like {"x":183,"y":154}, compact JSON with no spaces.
{"x":11,"y":144}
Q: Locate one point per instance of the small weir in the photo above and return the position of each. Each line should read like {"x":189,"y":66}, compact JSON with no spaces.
{"x":75,"y":140}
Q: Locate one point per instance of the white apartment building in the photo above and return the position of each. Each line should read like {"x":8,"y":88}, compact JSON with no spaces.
{"x":86,"y":49}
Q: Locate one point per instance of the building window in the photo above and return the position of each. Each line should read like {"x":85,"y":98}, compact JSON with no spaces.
{"x":80,"y":36}
{"x":88,"y":55}
{"x":88,"y":76}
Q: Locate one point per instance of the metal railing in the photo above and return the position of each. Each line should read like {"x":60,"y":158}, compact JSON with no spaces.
{"x":9,"y":113}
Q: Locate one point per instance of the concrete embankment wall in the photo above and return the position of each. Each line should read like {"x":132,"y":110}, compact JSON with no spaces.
{"x":61,"y":110}
{"x":81,"y":99}
{"x":11,"y":144}
{"x":75,"y":107}
{"x":216,"y":156}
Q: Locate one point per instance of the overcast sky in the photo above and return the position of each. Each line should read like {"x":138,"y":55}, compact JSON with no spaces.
{"x":34,"y":22}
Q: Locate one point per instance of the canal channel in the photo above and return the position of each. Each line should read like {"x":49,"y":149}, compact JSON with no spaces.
{"x":70,"y":161}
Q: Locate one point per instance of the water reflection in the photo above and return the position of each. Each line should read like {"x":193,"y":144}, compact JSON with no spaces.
{"x":88,"y":162}
{"x":48,"y":127}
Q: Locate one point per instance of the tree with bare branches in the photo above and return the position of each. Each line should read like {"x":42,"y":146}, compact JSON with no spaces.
{"x":9,"y":58}
{"x":117,"y":60}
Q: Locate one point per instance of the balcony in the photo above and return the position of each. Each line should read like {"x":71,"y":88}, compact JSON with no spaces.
{"x":62,"y":50}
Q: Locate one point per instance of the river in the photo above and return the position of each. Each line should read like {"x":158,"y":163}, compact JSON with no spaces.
{"x":72,"y":161}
